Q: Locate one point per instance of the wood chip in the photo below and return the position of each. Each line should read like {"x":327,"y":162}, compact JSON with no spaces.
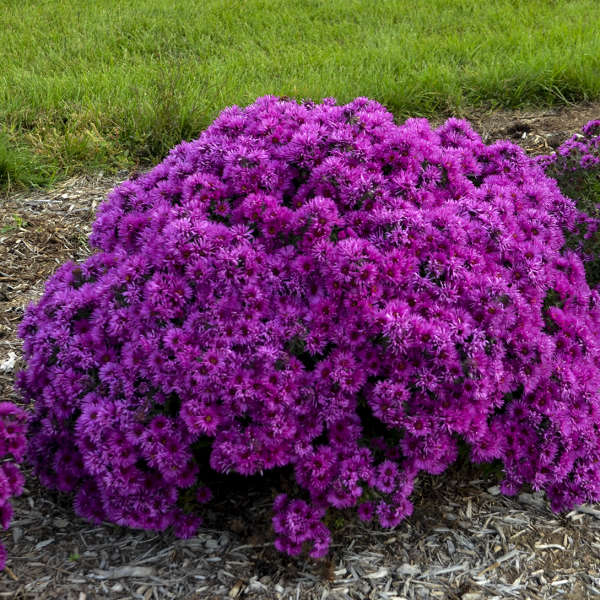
{"x":127,"y":571}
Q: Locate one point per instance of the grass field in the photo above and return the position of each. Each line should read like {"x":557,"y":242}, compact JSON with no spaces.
{"x":110,"y":84}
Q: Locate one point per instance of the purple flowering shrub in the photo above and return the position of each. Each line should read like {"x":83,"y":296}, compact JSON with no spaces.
{"x":13,"y":425}
{"x":576,"y":168}
{"x":312,"y":286}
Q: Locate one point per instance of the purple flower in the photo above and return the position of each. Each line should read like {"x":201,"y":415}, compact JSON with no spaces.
{"x":186,"y":525}
{"x":13,"y":426}
{"x":204,"y":495}
{"x":366,"y":511}
{"x":386,"y":478}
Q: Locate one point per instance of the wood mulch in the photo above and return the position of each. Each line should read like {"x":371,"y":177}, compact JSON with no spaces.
{"x":464,"y":541}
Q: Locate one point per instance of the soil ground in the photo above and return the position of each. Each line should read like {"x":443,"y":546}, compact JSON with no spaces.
{"x":463,"y":540}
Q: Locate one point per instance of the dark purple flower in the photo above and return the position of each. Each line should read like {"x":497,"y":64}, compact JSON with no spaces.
{"x":13,"y":427}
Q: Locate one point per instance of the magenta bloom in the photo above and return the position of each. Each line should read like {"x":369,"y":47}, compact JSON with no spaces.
{"x":366,"y":511}
{"x":13,"y":427}
{"x":576,"y":168}
{"x":303,"y":279}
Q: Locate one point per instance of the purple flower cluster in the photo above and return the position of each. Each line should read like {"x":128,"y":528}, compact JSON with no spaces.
{"x":576,"y":168}
{"x":313,"y":286}
{"x":581,"y":151}
{"x":13,"y":426}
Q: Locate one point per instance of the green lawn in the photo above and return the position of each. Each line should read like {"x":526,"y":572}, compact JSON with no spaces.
{"x":110,"y":83}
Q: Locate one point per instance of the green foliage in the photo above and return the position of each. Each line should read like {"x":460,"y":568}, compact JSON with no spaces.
{"x":19,"y":167}
{"x":17,"y":223}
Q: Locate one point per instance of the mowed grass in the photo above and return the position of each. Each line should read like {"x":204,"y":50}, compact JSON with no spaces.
{"x":116,"y":83}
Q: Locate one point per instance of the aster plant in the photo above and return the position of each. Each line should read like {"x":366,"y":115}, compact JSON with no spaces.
{"x":312,"y":286}
{"x":576,"y":167}
{"x":13,"y":424}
